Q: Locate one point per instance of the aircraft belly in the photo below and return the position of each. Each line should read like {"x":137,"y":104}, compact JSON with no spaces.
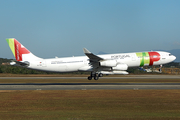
{"x":69,"y":67}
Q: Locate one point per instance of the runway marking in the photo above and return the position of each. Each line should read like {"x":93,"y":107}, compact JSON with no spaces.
{"x":89,"y":86}
{"x":38,"y":89}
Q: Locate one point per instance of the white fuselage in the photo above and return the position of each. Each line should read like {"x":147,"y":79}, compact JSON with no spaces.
{"x":82,"y":63}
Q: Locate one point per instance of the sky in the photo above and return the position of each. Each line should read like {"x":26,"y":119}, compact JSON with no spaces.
{"x":62,"y":28}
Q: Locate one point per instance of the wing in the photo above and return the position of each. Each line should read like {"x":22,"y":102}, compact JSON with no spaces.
{"x":105,"y":66}
{"x":91,"y":56}
{"x":93,"y":59}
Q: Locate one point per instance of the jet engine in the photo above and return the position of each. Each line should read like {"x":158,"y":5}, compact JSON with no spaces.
{"x":120,"y":67}
{"x":108,"y":63}
{"x":114,"y":72}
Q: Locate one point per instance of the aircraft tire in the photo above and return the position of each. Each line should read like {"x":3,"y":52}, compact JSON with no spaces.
{"x":89,"y":78}
{"x":100,"y":75}
{"x":96,"y":77}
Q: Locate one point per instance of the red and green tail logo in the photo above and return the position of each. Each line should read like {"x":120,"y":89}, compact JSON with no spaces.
{"x":17,"y":48}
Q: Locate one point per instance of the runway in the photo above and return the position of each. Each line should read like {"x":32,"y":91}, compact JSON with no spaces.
{"x":121,"y":77}
{"x":84,"y":84}
{"x":88,"y":86}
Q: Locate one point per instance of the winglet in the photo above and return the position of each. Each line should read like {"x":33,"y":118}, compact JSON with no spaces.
{"x":91,"y":56}
{"x":86,"y":51}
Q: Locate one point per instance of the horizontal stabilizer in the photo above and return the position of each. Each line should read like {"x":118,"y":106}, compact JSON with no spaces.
{"x":18,"y":63}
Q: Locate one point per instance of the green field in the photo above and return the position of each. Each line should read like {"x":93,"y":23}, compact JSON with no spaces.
{"x":91,"y":104}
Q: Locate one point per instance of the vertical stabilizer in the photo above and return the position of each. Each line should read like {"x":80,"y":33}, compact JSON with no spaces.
{"x":19,"y":51}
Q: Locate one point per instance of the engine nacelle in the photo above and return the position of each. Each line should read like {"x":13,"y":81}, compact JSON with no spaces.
{"x":114,"y":72}
{"x":108,"y":63}
{"x":120,"y":67}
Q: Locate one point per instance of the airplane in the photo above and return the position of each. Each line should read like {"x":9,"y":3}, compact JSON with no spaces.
{"x":98,"y":65}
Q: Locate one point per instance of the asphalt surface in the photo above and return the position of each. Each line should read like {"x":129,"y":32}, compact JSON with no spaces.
{"x":91,"y":86}
{"x":121,"y":77}
{"x":87,"y":86}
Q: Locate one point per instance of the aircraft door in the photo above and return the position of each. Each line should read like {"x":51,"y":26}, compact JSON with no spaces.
{"x":43,"y":63}
{"x":133,"y":58}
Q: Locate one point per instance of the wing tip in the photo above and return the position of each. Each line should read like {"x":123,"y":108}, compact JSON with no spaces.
{"x":86,"y":51}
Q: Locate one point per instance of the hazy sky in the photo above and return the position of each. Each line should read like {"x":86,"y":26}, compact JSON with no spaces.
{"x":50,"y":28}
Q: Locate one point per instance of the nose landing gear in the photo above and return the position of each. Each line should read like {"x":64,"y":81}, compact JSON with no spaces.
{"x":160,"y":70}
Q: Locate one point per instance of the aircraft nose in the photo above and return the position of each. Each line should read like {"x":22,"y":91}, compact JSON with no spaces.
{"x":174,"y":57}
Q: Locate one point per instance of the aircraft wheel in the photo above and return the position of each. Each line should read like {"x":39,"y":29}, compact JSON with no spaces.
{"x":89,"y":78}
{"x":100,"y":75}
{"x":96,"y":77}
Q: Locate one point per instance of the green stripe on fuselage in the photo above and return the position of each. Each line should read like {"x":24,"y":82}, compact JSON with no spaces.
{"x":144,"y":58}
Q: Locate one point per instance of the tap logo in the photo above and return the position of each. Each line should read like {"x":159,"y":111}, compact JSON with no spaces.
{"x":19,"y":50}
{"x":148,"y":58}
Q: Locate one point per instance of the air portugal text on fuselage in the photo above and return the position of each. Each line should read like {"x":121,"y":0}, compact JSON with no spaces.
{"x":148,"y":58}
{"x":120,"y":56}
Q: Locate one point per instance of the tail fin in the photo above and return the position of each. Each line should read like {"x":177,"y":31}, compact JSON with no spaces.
{"x":19,"y":51}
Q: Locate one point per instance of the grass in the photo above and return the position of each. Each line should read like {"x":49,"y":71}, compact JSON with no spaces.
{"x":91,"y":104}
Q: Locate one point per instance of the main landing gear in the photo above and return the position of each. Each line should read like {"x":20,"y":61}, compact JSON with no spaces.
{"x":95,"y":76}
